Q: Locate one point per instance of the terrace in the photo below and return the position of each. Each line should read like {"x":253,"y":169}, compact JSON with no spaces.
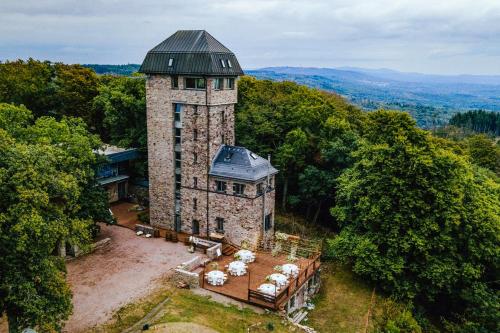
{"x":246,"y":287}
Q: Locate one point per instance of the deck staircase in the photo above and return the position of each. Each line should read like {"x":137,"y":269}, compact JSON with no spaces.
{"x":228,"y":249}
{"x":298,"y":316}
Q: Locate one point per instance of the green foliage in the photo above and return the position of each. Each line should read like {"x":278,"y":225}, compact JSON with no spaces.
{"x":478,"y":121}
{"x":122,"y":102}
{"x":392,"y":317}
{"x":484,"y":152}
{"x":50,"y":89}
{"x":420,"y":220}
{"x":302,"y":128}
{"x":128,"y":69}
{"x":143,"y":217}
{"x":45,"y":166}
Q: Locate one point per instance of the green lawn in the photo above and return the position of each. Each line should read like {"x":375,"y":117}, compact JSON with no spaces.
{"x":343,"y":302}
{"x":184,"y":306}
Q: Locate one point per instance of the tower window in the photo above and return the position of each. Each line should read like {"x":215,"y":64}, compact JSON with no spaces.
{"x":229,"y":63}
{"x":178,"y":112}
{"x":220,"y":224}
{"x":195,"y":157}
{"x":195,"y":204}
{"x":177,"y":135}
{"x":218,"y":83}
{"x":223,"y":64}
{"x":230,"y":83}
{"x":268,"y":222}
{"x":170,"y":62}
{"x":195,"y":134}
{"x":175,"y":82}
{"x":177,"y":182}
{"x":220,"y":186}
{"x":177,"y":159}
{"x":195,"y":109}
{"x":195,"y":181}
{"x":238,"y":189}
{"x":260,"y":188}
{"x":223,"y":138}
{"x":195,"y":83}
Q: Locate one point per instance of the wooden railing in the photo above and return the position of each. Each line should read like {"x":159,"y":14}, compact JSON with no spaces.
{"x":274,"y":302}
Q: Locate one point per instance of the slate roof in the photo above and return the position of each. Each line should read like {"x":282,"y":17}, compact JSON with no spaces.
{"x":240,"y":163}
{"x":194,"y":52}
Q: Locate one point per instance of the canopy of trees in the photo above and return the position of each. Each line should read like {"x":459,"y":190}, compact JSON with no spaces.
{"x":308,"y":132}
{"x":422,"y":222}
{"x":479,"y":121}
{"x":113,"y":107}
{"x":47,"y":197}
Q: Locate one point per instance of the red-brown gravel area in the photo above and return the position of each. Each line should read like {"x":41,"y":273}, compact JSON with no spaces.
{"x":124,"y":270}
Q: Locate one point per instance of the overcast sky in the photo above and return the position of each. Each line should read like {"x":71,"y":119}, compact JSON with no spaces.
{"x":429,"y":36}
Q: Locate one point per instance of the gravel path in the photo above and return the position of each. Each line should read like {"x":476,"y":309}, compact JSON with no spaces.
{"x":126,"y":269}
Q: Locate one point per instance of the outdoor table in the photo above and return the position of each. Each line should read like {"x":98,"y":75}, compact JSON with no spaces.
{"x":245,"y":255}
{"x":215,"y":278}
{"x":237,"y":268}
{"x":280,"y":279}
{"x":269,"y":289}
{"x":290,"y":270}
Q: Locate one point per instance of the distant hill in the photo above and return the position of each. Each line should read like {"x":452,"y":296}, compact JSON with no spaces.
{"x":431,"y":99}
{"x":126,"y":70}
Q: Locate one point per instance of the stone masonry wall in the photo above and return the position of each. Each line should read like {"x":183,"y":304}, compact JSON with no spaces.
{"x":242,"y":215}
{"x":160,"y":150}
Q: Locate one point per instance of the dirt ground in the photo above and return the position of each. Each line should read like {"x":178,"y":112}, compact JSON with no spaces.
{"x":124,"y":270}
{"x":125,"y":214}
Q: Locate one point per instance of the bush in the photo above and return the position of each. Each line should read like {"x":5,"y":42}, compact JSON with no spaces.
{"x":143,"y":217}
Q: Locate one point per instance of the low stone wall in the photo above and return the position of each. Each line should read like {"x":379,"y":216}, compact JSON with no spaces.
{"x":182,"y":276}
{"x":191,"y":264}
{"x":215,"y":251}
{"x":183,"y":273}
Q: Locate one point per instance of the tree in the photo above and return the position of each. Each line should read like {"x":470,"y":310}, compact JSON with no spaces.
{"x":484,"y":152}
{"x":291,"y":157}
{"x":49,"y":89}
{"x":316,"y":187}
{"x":45,"y":166}
{"x":421,"y":221}
{"x":122,"y":102}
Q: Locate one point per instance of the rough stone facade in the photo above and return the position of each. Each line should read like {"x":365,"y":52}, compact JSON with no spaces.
{"x":207,"y":121}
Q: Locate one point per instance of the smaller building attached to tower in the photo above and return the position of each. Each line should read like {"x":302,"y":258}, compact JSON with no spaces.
{"x":200,"y":183}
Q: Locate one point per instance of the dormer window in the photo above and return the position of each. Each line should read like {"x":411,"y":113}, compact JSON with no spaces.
{"x":228,"y":157}
{"x":170,"y":62}
{"x":223,"y":64}
{"x":229,"y":63}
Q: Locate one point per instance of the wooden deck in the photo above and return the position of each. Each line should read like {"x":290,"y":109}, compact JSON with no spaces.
{"x":244,"y":288}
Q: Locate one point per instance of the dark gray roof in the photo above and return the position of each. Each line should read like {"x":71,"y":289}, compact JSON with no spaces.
{"x":240,"y":163}
{"x":194,"y":52}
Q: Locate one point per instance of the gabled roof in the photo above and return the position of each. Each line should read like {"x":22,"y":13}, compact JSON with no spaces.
{"x":193,"y":52}
{"x":240,"y":163}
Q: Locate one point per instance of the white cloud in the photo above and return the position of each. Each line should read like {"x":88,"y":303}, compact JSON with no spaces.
{"x":447,"y":36}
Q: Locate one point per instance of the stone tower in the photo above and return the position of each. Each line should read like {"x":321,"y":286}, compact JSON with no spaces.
{"x":200,"y":183}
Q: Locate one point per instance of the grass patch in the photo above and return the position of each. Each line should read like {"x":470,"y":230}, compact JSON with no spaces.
{"x":342,"y":303}
{"x":188,"y":307}
{"x":184,"y":306}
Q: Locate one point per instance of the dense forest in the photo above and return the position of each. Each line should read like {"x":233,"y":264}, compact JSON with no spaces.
{"x":478,"y":121}
{"x":417,"y":213}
